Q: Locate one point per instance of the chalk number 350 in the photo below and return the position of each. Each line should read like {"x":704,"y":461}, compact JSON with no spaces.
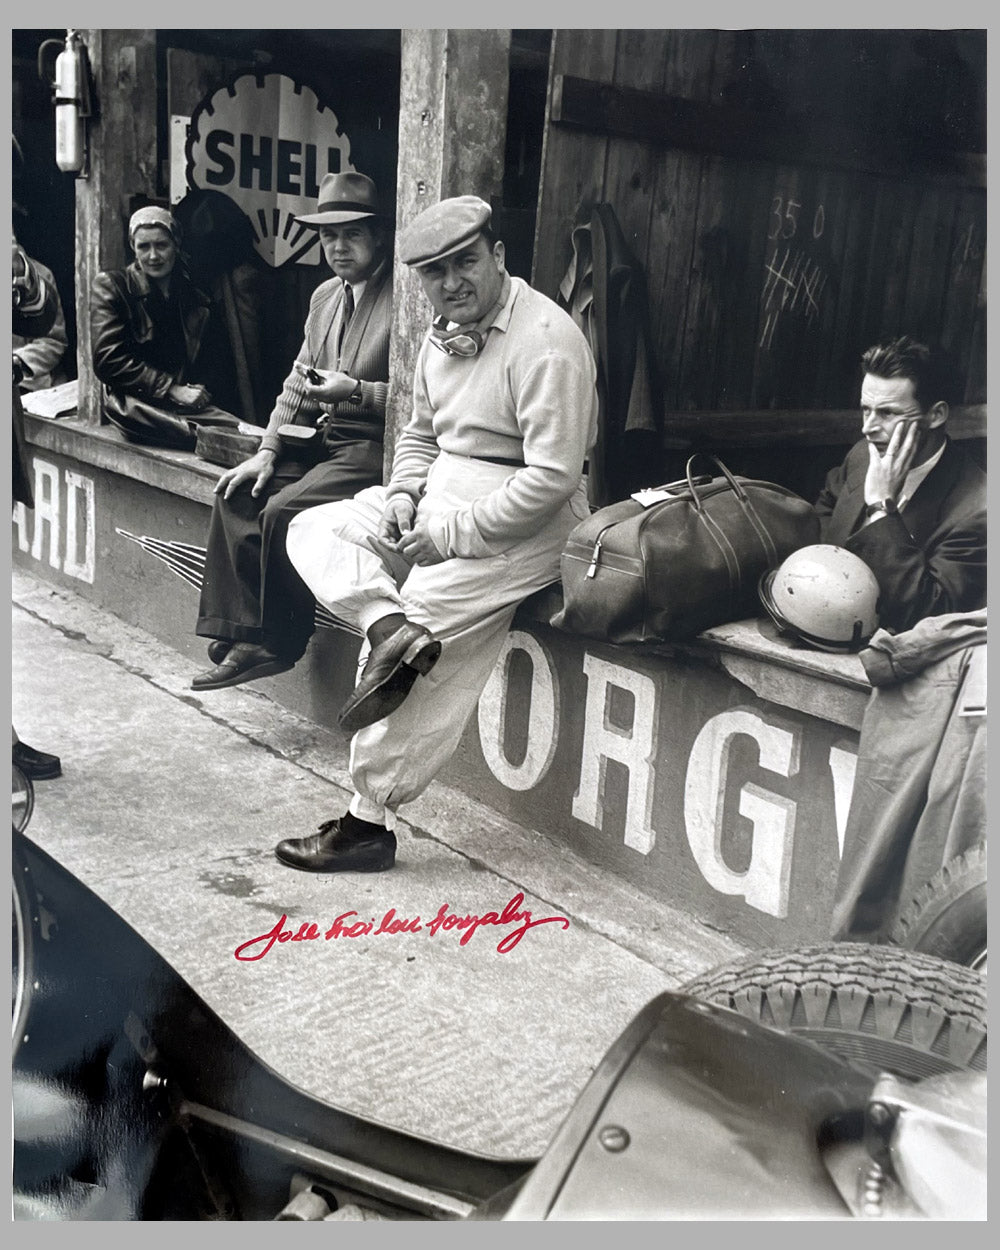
{"x":785,"y":223}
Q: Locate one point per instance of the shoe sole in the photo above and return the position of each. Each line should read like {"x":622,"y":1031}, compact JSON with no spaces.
{"x":381,"y":866}
{"x":46,"y":774}
{"x":422,"y":655}
{"x":420,"y":658}
{"x":250,"y":674}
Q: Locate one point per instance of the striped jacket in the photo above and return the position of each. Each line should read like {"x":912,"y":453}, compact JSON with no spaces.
{"x":364,"y":355}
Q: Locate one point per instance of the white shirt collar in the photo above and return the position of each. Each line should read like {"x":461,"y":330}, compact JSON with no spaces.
{"x":916,"y":476}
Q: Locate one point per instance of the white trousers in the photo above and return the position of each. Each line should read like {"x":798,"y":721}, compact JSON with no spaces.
{"x":467,"y":605}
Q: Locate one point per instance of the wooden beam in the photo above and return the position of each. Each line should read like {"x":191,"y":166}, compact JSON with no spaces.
{"x":773,"y":428}
{"x":122,"y":164}
{"x":452,"y":134}
{"x":698,"y":126}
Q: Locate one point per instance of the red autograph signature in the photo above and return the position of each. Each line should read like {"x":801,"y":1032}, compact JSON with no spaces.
{"x":345,"y":927}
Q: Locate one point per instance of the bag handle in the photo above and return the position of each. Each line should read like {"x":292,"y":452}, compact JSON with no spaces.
{"x":679,"y":484}
{"x":737,"y":488}
{"x":751,"y":513}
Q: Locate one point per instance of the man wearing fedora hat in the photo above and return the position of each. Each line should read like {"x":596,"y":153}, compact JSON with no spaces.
{"x":253,"y":603}
{"x":486,"y":484}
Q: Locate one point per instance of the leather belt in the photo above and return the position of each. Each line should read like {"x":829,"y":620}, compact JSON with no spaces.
{"x":503,"y":460}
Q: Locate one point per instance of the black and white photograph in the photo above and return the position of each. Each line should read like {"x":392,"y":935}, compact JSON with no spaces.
{"x":499,"y":619}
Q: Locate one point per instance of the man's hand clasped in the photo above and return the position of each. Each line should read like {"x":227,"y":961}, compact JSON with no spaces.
{"x":404,"y":531}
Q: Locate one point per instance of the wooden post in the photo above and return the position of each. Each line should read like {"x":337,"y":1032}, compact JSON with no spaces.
{"x":122,"y":163}
{"x":452,"y":134}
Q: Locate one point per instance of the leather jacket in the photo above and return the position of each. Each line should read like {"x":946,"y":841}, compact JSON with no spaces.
{"x":129,"y":355}
{"x":34,"y":309}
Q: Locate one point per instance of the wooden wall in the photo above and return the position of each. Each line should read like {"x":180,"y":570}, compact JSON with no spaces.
{"x":452,"y":123}
{"x":794,"y":196}
{"x":122,"y":165}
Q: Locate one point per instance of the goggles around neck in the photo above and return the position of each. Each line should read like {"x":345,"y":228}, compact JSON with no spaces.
{"x":455,"y":342}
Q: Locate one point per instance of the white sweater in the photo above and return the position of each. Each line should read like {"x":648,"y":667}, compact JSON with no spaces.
{"x":529,"y":395}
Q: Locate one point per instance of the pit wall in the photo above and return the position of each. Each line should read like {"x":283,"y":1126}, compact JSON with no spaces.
{"x":715,"y":776}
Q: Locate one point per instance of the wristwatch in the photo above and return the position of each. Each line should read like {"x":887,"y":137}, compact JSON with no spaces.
{"x":888,"y":506}
{"x":356,"y":395}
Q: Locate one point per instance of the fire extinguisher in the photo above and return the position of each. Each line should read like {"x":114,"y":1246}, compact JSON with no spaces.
{"x":71,"y":96}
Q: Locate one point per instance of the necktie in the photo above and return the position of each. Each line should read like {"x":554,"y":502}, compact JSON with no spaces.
{"x":345,"y":316}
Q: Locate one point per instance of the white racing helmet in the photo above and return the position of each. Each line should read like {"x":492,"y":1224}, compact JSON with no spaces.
{"x":824,"y":595}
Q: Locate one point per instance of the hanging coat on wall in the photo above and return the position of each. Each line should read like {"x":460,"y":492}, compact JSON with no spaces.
{"x":604,"y":291}
{"x":219,"y":242}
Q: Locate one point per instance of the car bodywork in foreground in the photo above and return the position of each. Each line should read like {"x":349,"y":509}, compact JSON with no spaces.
{"x":749,"y":1095}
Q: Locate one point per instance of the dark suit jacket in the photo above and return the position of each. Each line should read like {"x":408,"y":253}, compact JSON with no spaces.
{"x":931,"y":557}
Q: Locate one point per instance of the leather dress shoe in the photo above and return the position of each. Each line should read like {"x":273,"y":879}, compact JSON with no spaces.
{"x":389,"y":675}
{"x":36,"y":765}
{"x":336,"y":849}
{"x":218,"y":649}
{"x":244,"y":661}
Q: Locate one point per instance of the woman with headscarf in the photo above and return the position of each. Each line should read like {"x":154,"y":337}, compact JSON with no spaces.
{"x":151,"y":330}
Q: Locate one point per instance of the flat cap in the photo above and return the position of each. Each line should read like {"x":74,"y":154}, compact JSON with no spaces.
{"x":442,"y":229}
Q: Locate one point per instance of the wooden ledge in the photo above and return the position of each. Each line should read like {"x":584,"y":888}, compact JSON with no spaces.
{"x":828,"y":686}
{"x":177,"y":472}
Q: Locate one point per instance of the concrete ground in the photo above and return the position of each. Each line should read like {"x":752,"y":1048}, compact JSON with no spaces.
{"x":169,"y":807}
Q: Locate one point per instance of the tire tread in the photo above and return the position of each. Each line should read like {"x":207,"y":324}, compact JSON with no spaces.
{"x":907,"y":999}
{"x":919,"y":919}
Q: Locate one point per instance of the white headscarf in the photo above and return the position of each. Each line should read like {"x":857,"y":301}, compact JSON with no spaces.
{"x":152,"y":215}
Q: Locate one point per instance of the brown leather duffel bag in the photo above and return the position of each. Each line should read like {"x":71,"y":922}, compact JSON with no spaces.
{"x":679,"y":558}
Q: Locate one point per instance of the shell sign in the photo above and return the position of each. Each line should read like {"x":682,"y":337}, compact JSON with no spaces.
{"x":266,"y":142}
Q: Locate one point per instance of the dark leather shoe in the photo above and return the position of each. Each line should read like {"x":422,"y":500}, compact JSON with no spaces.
{"x":218,"y":649}
{"x":36,"y":765}
{"x":389,"y":675}
{"x":334,"y":849}
{"x":245,"y":661}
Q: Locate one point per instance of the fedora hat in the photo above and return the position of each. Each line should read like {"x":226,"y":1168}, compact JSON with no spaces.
{"x":342,"y":198}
